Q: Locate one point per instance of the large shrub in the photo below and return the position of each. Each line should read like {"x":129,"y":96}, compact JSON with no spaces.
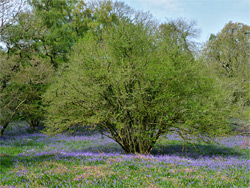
{"x":135,"y":85}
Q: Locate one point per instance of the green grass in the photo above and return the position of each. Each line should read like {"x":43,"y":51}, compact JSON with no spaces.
{"x":24,"y":165}
{"x":46,"y":171}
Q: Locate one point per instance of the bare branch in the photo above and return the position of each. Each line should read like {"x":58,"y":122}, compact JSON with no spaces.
{"x":9,"y":10}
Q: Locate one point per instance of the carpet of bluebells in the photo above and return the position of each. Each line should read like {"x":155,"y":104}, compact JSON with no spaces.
{"x":91,"y":160}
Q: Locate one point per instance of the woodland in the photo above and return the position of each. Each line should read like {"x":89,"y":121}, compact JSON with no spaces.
{"x":67,"y":64}
{"x":97,"y":94}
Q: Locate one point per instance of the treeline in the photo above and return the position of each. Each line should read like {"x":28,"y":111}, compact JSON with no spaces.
{"x":104,"y":65}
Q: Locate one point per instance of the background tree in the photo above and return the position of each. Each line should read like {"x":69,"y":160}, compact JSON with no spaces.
{"x":182,"y":33}
{"x":21,"y":95}
{"x":228,"y":55}
{"x":131,"y":89}
{"x":48,"y":29}
{"x":22,"y":41}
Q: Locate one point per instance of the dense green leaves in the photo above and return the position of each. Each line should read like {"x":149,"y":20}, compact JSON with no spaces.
{"x":228,"y":55}
{"x":40,"y":37}
{"x":21,"y":89}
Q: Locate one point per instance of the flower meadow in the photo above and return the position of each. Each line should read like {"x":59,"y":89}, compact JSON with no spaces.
{"x":92,"y":160}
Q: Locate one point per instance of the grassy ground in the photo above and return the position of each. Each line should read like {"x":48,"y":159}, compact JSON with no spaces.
{"x":36,"y":160}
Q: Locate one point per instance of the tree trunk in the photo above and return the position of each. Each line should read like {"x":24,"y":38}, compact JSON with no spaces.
{"x":34,"y":123}
{"x":10,"y":118}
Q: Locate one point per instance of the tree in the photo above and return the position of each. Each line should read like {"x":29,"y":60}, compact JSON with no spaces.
{"x":228,"y":55}
{"x":130,"y":88}
{"x":182,"y":33}
{"x":105,"y":14}
{"x":22,"y":41}
{"x":229,"y":49}
{"x":22,"y":86}
{"x":50,"y":28}
{"x":45,"y":33}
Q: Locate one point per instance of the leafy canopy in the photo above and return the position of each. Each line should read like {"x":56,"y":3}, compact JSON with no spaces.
{"x":228,"y":56}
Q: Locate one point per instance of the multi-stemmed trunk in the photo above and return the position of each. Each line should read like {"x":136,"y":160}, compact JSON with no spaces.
{"x":133,"y":139}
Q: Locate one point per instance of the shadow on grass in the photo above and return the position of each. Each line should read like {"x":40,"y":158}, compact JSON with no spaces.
{"x":192,"y":151}
{"x":174,"y":148}
{"x":196,"y":151}
{"x":7,"y":162}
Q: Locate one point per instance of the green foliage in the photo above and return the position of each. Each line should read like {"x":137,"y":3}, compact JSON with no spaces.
{"x":132,"y":87}
{"x":228,"y":55}
{"x":22,"y":38}
{"x":48,"y":30}
{"x":180,"y":33}
{"x":229,"y":50}
{"x":21,"y":88}
{"x":105,"y":14}
{"x":23,"y":71}
{"x":64,"y":21}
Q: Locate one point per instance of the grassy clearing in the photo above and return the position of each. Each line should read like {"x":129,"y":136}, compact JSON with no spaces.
{"x":35,"y":160}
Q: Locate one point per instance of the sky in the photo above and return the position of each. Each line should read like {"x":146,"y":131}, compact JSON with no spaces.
{"x":211,"y":15}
